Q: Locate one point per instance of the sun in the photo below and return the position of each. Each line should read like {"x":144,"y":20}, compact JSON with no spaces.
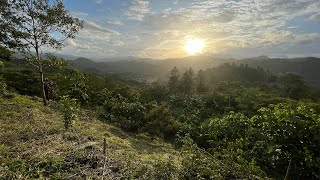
{"x":194,"y":46}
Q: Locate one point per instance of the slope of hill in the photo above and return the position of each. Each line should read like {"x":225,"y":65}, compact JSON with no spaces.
{"x":307,"y":67}
{"x":34,"y":145}
{"x":116,"y":67}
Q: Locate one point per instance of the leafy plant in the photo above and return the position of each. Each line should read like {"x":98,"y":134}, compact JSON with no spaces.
{"x":69,"y":107}
{"x":161,"y":123}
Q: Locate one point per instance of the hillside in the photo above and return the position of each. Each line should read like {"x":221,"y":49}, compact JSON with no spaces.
{"x":34,"y":144}
{"x":307,"y":67}
{"x":151,"y":68}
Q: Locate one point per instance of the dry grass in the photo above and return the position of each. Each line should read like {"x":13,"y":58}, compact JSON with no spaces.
{"x":34,"y":144}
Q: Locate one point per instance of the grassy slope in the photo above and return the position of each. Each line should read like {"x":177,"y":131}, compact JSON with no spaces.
{"x":34,"y":144}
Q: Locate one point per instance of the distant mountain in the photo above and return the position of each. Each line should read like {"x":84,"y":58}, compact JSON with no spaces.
{"x":116,"y":67}
{"x":308,"y":67}
{"x":147,"y":67}
{"x":18,"y":55}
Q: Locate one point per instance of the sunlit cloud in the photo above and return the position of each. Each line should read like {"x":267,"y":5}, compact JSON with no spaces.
{"x":158,"y":29}
{"x":138,"y":10}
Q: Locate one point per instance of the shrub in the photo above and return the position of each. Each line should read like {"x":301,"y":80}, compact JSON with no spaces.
{"x":161,"y":123}
{"x":200,"y":164}
{"x":68,"y":107}
{"x":278,"y":136}
{"x":130,"y":116}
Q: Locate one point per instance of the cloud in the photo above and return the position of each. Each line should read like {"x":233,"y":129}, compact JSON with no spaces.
{"x":93,"y":27}
{"x":315,"y":17}
{"x":227,"y":26}
{"x":86,"y":48}
{"x":138,"y":9}
{"x":99,"y":1}
{"x":115,"y":22}
{"x":79,"y":14}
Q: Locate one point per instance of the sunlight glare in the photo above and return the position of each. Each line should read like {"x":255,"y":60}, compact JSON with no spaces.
{"x":194,"y":46}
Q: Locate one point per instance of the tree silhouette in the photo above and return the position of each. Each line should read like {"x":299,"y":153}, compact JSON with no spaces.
{"x":173,"y":83}
{"x":187,"y":82}
{"x":202,"y":85}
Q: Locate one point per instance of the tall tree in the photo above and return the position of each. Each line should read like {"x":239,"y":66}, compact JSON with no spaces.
{"x":202,"y":84}
{"x":294,"y":86}
{"x":40,"y":24}
{"x":174,"y":80}
{"x":187,"y":82}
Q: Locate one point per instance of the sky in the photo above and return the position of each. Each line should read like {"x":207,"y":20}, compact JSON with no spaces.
{"x":160,"y":29}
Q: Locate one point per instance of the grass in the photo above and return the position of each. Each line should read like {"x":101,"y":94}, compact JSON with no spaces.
{"x":35,"y":145}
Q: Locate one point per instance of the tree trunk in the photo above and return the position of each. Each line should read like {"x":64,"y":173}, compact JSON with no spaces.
{"x":44,"y":98}
{"x":288,"y":171}
{"x":36,"y":42}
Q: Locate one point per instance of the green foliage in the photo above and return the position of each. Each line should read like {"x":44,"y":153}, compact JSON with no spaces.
{"x":293,"y":86}
{"x":37,"y":169}
{"x":158,"y":93}
{"x":37,"y":25}
{"x":23,"y":81}
{"x":5,"y":54}
{"x":161,"y":123}
{"x":196,"y":164}
{"x":166,"y":170}
{"x":69,"y":107}
{"x":232,"y":73}
{"x":3,"y":86}
{"x":73,"y":84}
{"x":130,"y":116}
{"x":37,"y":22}
{"x":187,"y":85}
{"x":272,"y":138}
{"x":174,"y":78}
{"x":200,"y":164}
{"x":290,"y":133}
{"x":49,"y":61}
{"x":235,"y":129}
{"x":202,"y":82}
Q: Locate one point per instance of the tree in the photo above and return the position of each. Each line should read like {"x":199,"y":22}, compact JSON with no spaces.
{"x":201,"y":81}
{"x":36,"y":24}
{"x":187,"y":82}
{"x":8,"y":34}
{"x":293,"y":86}
{"x":174,"y":79}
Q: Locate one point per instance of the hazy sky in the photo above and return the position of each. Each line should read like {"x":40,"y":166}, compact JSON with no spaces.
{"x":160,"y":28}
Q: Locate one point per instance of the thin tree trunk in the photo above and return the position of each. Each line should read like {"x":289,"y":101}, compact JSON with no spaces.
{"x":44,"y":98}
{"x":288,"y":171}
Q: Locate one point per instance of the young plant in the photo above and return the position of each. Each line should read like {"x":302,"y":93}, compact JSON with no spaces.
{"x":68,"y":106}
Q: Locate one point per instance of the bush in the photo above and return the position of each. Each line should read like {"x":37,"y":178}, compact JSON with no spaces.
{"x":276,"y":136}
{"x":161,"y":123}
{"x":200,"y":164}
{"x":129,"y":116}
